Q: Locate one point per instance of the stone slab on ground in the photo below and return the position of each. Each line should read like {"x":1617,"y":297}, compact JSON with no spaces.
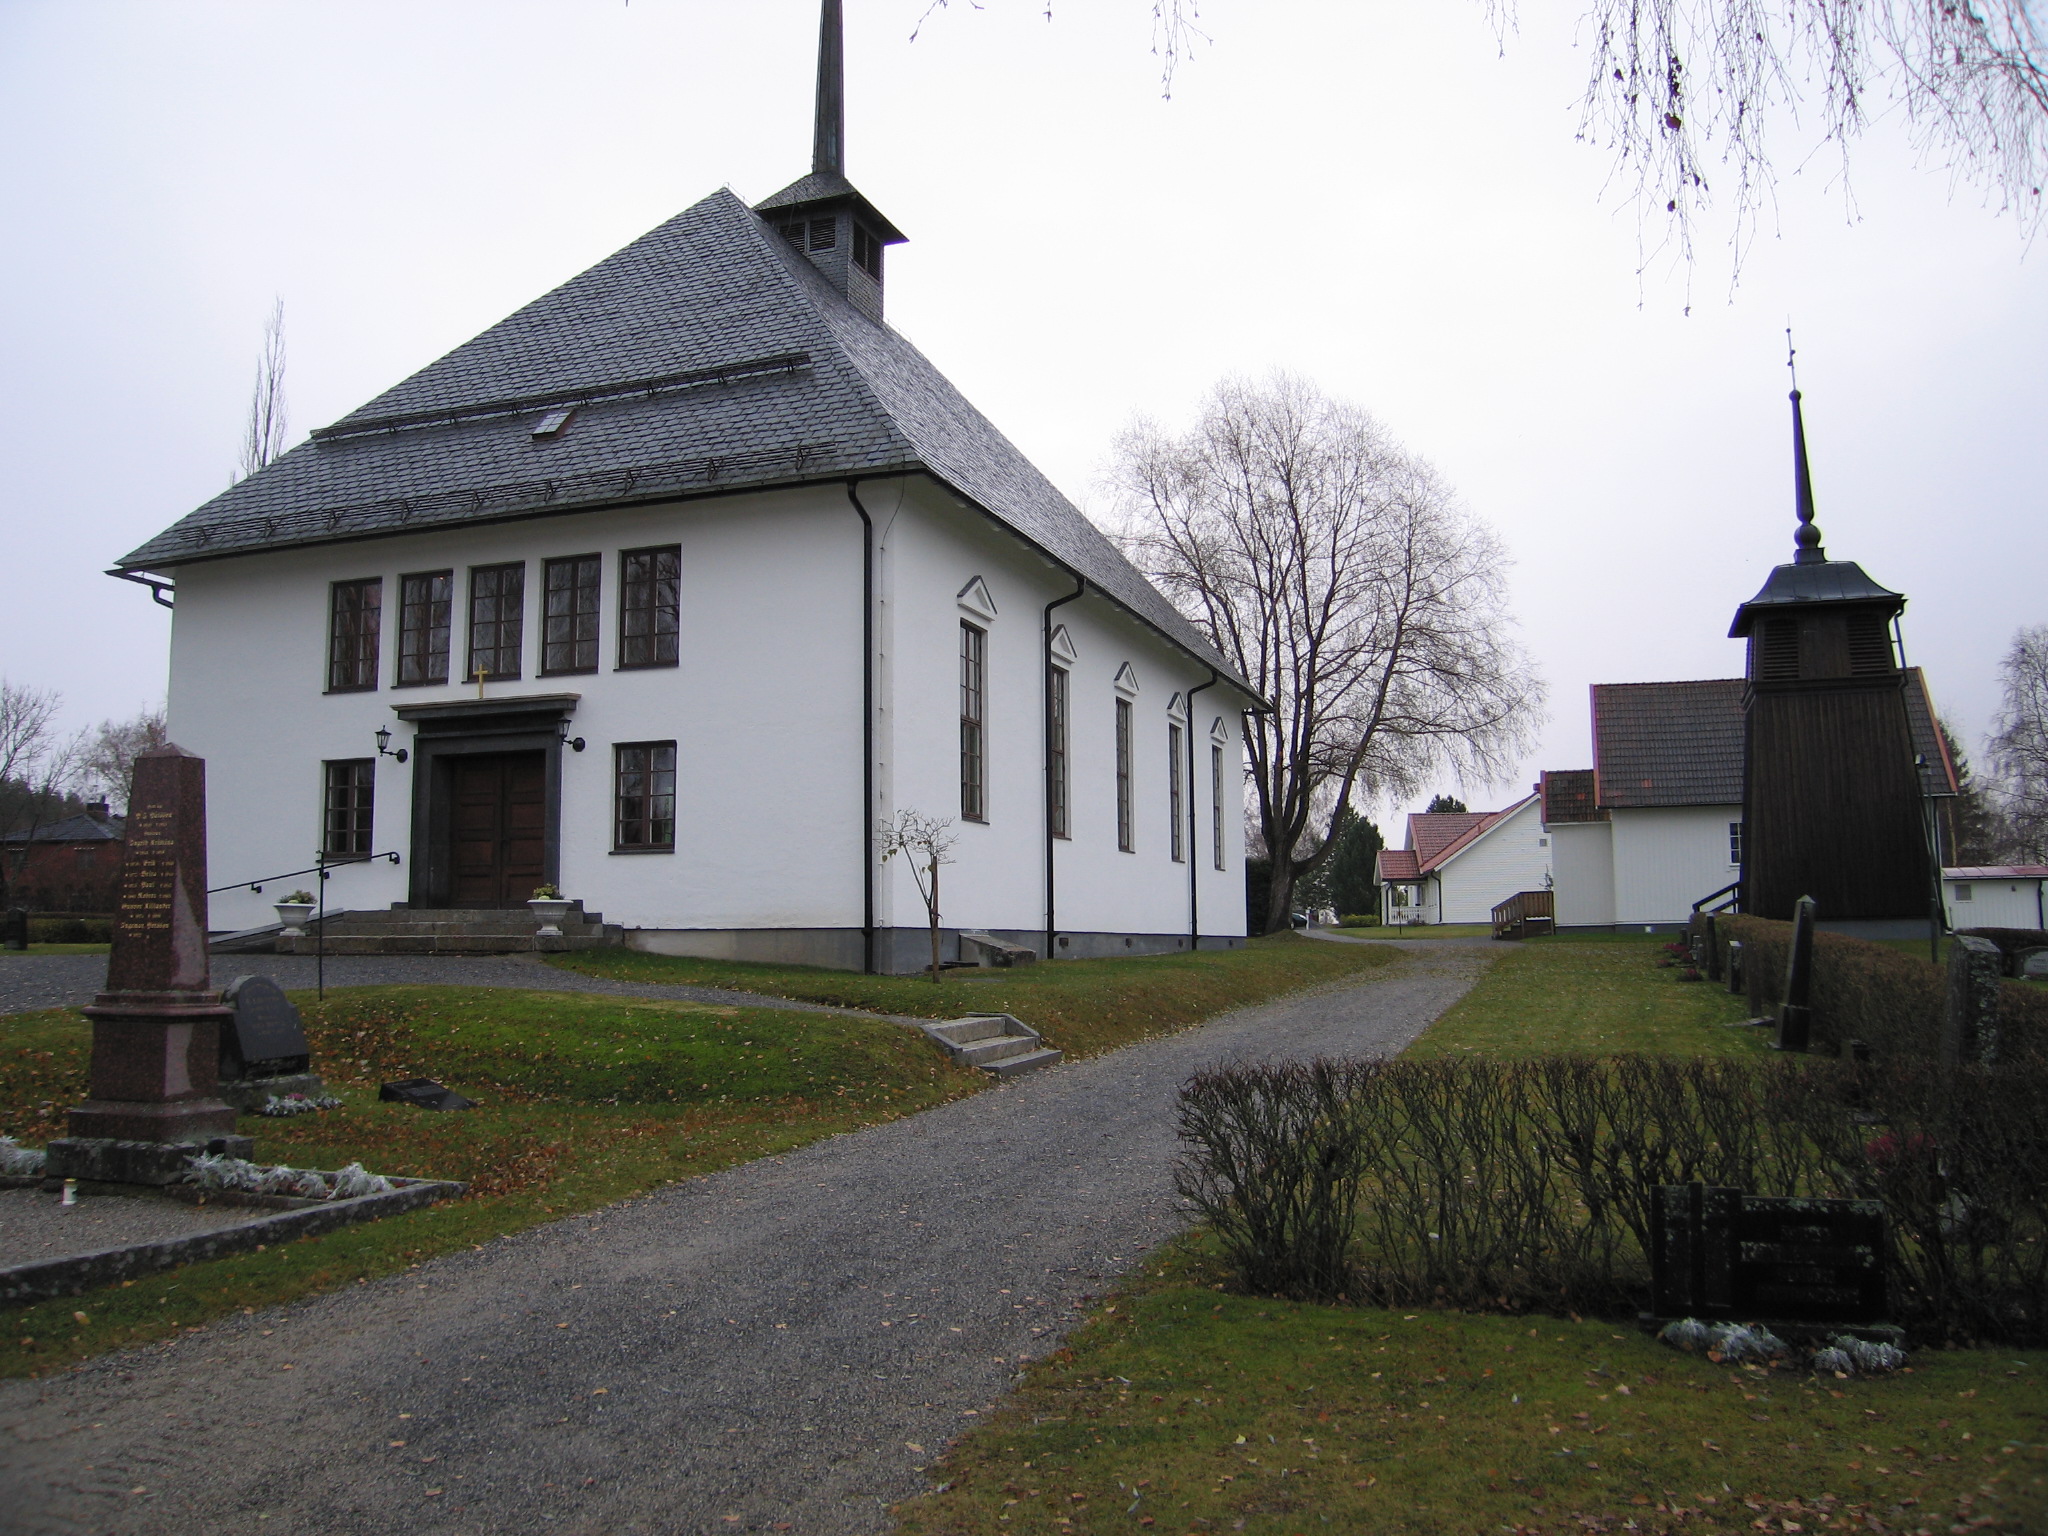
{"x":35,"y":1226}
{"x":792,"y":1340}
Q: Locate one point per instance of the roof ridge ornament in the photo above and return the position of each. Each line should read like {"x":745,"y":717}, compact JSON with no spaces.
{"x":1806,"y":543}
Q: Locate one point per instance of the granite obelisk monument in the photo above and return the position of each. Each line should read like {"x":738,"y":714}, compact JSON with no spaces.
{"x":156,"y":1027}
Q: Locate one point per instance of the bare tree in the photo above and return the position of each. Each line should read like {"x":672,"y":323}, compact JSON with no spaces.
{"x":37,"y":766}
{"x":2019,"y":742}
{"x":1340,"y":577}
{"x":263,"y":436}
{"x":107,"y":759}
{"x":924,"y":843}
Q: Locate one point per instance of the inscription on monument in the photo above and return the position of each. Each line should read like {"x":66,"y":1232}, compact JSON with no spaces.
{"x":1717,"y":1253}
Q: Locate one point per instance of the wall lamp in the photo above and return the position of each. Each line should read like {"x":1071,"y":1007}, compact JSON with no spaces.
{"x":573,"y":743}
{"x":384,"y":744}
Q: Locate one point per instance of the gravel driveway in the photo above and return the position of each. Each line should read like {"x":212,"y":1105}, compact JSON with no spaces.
{"x":782,"y":1346}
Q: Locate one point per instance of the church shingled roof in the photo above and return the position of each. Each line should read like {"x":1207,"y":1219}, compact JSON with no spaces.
{"x":704,"y":357}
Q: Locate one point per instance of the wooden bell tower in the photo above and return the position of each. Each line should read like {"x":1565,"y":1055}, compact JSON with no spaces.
{"x":1832,"y":796}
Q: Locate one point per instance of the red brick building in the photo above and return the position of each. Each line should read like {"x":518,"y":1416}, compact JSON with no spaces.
{"x":72,"y":865}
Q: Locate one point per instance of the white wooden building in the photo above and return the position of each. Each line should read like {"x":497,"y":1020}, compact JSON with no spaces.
{"x":673,"y":587}
{"x":2001,"y":896}
{"x":1458,"y":865}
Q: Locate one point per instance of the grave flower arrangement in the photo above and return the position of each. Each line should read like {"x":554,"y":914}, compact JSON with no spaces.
{"x":18,"y":1161}
{"x":219,"y":1172}
{"x":281,"y":1106}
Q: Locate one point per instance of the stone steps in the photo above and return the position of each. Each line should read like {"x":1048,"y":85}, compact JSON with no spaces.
{"x":997,"y":1043}
{"x":453,"y":931}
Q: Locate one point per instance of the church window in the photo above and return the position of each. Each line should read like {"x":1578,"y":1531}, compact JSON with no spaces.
{"x":569,"y":639}
{"x":348,"y":804}
{"x":1177,"y":836}
{"x":424,"y":601}
{"x":497,"y":619}
{"x":973,"y":702}
{"x":355,"y":612}
{"x":650,"y":606}
{"x":1125,"y":833}
{"x":644,"y":797}
{"x":1216,"y":803}
{"x":1056,"y":751}
{"x":867,"y":251}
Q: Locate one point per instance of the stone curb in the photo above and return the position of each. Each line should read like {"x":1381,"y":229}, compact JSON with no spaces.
{"x":50,"y":1278}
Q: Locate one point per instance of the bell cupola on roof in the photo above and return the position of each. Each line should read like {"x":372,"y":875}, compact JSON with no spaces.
{"x":1832,"y":799}
{"x":823,"y":215}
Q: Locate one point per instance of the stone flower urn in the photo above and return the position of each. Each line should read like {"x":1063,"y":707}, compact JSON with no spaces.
{"x":293,"y":915}
{"x":549,"y":911}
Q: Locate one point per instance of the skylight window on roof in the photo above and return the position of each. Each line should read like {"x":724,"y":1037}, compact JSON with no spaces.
{"x":551,"y":424}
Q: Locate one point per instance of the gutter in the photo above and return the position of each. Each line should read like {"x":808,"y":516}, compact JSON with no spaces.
{"x":1194,"y":822}
{"x":867,"y":728}
{"x":1045,"y":686}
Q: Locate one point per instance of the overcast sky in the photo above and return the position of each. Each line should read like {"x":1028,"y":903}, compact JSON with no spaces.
{"x":1376,"y":196}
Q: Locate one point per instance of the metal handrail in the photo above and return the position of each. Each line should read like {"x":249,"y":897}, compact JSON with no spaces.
{"x":321,"y":868}
{"x":1732,"y":890}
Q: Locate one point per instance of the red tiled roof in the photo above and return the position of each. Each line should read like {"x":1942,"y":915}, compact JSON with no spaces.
{"x":1431,"y":832}
{"x":1399,"y":864}
{"x":1571,"y":794}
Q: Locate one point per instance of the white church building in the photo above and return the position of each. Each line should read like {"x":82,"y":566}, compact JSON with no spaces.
{"x":671,"y":590}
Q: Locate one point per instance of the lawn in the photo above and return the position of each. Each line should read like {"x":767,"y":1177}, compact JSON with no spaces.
{"x":1180,"y":1408}
{"x":1576,"y":993}
{"x":582,"y":1100}
{"x":585,"y":1099}
{"x":1084,"y":1007}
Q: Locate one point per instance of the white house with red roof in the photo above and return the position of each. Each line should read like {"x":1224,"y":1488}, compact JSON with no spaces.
{"x":1459,"y":865}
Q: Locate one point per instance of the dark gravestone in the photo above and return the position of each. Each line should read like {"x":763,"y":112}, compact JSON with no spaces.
{"x":1795,"y":1017}
{"x":423,"y":1093}
{"x":156,"y":1027}
{"x":1969,"y":1024}
{"x":266,"y":1037}
{"x":1738,"y":981}
{"x":14,"y":928}
{"x":1717,"y":1253}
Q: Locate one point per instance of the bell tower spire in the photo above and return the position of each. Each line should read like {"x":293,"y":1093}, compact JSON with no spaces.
{"x":1806,"y":537}
{"x":824,"y":216}
{"x":828,"y":141}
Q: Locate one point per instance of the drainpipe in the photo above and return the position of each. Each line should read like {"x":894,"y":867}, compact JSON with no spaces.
{"x":1045,"y":684}
{"x":1194,"y":823}
{"x":867,"y":728}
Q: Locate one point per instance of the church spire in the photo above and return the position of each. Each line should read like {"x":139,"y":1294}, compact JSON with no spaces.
{"x":828,"y":144}
{"x":1806,"y":538}
{"x":823,"y":216}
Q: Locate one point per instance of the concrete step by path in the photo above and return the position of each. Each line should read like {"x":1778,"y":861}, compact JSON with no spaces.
{"x":999,"y":1043}
{"x":451,"y":931}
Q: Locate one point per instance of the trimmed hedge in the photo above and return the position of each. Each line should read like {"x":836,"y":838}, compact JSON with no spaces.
{"x":1889,"y":1000}
{"x":1527,"y":1185}
{"x":71,"y":930}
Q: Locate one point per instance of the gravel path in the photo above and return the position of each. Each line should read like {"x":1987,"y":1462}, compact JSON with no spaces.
{"x":782,"y":1346}
{"x":30,"y":982}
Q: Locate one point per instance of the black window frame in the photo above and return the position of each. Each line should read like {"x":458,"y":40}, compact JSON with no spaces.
{"x":1126,"y":818}
{"x":641,"y":598}
{"x":584,"y":614}
{"x":1176,"y":793}
{"x":1216,"y":801}
{"x":646,"y":796}
{"x":416,"y":618}
{"x":508,"y":614}
{"x":348,"y":807}
{"x":1058,"y":686}
{"x":973,"y":722}
{"x":354,"y":634}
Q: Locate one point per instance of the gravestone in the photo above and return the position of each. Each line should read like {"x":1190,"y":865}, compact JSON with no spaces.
{"x":263,"y":1049}
{"x":1738,"y":982}
{"x":2031,"y":964}
{"x":1795,"y":1017}
{"x":1719,"y":1254}
{"x":156,"y":1028}
{"x":1969,"y":1023}
{"x":14,"y":928}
